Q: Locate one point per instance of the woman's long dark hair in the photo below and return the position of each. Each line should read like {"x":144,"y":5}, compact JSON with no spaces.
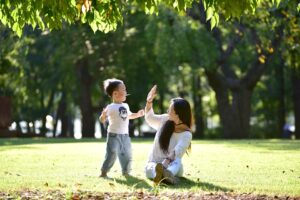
{"x":183,"y":109}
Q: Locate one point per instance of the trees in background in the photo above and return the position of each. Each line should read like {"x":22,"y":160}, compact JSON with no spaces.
{"x":291,"y":52}
{"x":236,"y":75}
{"x":242,"y":45}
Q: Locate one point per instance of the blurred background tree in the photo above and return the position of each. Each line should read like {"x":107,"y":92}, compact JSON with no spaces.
{"x":242,"y":77}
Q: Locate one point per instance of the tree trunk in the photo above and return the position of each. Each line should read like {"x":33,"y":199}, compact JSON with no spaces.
{"x":5,"y":112}
{"x":43,"y":128}
{"x":281,"y":99}
{"x":234,"y":106}
{"x":131,"y":128}
{"x":28,"y":127}
{"x":33,"y":128}
{"x":198,"y":110}
{"x":70,"y":133}
{"x":233,"y":93}
{"x":103,"y":131}
{"x":296,"y":100}
{"x":63,"y":116}
{"x":235,"y":116}
{"x":19,"y":129}
{"x":46,"y":109}
{"x":85,"y":103}
{"x":65,"y":126}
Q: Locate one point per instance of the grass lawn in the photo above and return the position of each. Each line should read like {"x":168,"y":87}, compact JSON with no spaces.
{"x":268,"y":167}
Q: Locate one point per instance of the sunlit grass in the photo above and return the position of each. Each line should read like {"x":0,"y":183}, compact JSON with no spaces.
{"x":269,"y":167}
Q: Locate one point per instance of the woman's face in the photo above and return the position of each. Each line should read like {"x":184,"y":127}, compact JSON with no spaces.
{"x":172,"y":115}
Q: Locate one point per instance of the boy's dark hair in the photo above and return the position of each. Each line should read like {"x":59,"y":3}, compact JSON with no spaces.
{"x":110,"y":85}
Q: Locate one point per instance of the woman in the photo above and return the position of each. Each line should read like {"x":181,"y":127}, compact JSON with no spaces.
{"x":172,"y":139}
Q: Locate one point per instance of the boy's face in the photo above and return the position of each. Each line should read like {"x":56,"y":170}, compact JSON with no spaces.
{"x":119,"y":95}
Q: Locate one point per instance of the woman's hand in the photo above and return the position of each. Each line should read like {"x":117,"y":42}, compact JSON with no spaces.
{"x":171,"y":155}
{"x":151,"y":94}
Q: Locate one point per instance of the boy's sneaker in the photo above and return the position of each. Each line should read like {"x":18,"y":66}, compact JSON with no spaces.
{"x":104,"y":175}
{"x":126,"y":174}
{"x":159,"y":168}
{"x":169,"y":177}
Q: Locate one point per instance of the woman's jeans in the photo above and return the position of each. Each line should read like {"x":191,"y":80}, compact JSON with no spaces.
{"x":118,"y":145}
{"x":175,"y":167}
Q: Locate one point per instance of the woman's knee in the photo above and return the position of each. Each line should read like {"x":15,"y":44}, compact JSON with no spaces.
{"x":150,"y":170}
{"x":149,"y":173}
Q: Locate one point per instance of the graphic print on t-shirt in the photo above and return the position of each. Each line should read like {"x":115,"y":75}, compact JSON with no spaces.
{"x":123,"y":113}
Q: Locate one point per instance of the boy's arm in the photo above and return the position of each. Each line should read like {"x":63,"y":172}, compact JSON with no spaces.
{"x":103,"y":115}
{"x":140,"y":113}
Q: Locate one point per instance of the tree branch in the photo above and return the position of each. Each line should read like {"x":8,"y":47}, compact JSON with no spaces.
{"x":225,"y":54}
{"x":263,"y":58}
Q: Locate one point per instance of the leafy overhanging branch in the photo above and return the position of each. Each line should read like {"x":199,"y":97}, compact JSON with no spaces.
{"x":105,"y":15}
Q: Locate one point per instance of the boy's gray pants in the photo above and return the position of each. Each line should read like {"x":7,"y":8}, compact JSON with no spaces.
{"x":118,"y":145}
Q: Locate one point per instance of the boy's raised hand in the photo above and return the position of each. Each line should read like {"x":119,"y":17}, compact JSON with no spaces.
{"x":152,"y":93}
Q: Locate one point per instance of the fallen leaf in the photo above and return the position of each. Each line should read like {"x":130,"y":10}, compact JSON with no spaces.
{"x":75,"y":197}
{"x":7,"y":173}
{"x":62,"y":185}
{"x":111,"y":184}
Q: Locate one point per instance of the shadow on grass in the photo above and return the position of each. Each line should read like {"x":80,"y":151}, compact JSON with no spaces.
{"x":43,"y":140}
{"x":134,"y":182}
{"x":269,"y":145}
{"x":27,"y":143}
{"x":258,"y":144}
{"x":186,"y":183}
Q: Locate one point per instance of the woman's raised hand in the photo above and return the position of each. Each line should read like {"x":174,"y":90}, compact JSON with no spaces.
{"x":151,"y":94}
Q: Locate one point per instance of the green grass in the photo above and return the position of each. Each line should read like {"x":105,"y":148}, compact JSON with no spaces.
{"x":270,"y":167}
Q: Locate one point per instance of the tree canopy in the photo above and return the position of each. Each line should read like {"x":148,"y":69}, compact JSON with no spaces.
{"x":237,"y":75}
{"x":105,"y":15}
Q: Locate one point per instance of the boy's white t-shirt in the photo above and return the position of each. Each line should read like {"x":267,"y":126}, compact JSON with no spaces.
{"x":118,"y":118}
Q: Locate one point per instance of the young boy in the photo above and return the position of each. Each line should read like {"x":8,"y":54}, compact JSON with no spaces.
{"x":118,"y":115}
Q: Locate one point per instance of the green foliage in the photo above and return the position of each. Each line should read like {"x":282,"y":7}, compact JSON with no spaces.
{"x":292,"y":35}
{"x":44,"y":14}
{"x":178,"y":40}
{"x":105,"y":15}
